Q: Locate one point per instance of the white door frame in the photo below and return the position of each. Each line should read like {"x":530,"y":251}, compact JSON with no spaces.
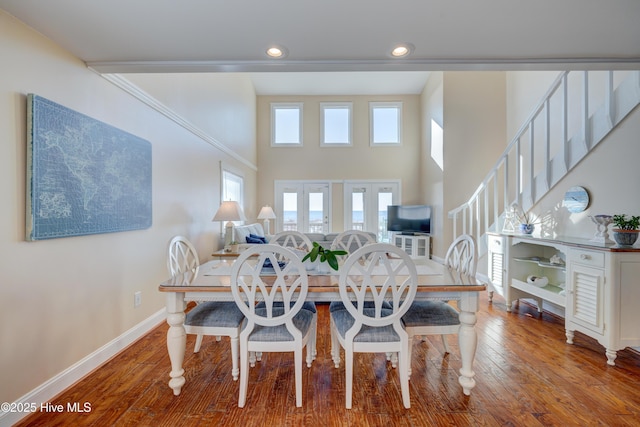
{"x":302,"y":189}
{"x":371,"y":189}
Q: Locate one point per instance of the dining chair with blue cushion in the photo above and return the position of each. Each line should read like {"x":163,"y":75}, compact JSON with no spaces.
{"x":300,"y":245}
{"x":182,"y":258}
{"x":349,"y":241}
{"x":373,"y":278}
{"x":206,"y":318}
{"x":279,"y":323}
{"x":439,"y":317}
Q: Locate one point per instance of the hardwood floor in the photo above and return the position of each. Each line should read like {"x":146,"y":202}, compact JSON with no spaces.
{"x":526,"y":376}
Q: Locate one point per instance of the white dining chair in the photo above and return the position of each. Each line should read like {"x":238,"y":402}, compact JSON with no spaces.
{"x":206,"y":318}
{"x":301,"y":245}
{"x":439,"y":317}
{"x":275,"y":276}
{"x":182,"y":257}
{"x":382,"y":274}
{"x":291,"y":239}
{"x":351,"y":240}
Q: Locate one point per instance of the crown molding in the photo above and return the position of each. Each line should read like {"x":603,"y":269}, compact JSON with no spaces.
{"x":143,"y":96}
{"x":441,"y":64}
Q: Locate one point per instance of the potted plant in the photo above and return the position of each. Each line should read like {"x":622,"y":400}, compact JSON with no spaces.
{"x":527,"y":224}
{"x":625,"y":230}
{"x":324,"y":255}
{"x":233,"y":247}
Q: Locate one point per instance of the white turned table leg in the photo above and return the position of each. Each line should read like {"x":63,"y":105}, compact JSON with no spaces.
{"x":176,"y":339}
{"x":468,"y":339}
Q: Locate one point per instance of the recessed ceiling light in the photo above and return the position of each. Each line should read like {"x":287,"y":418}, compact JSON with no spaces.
{"x":278,"y":52}
{"x":401,"y":50}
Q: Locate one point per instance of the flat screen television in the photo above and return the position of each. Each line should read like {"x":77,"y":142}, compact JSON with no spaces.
{"x":409,"y":219}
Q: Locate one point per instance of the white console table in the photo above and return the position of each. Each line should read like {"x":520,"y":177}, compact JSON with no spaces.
{"x":417,"y":246}
{"x":595,"y":283}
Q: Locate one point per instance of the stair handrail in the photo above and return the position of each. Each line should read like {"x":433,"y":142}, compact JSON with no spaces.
{"x":550,"y":92}
{"x":472,"y":222}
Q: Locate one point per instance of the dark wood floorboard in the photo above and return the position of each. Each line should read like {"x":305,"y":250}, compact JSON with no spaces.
{"x":526,"y":376}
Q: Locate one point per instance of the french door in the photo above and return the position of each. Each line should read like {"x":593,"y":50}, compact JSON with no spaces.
{"x":303,"y":206}
{"x":365,"y":205}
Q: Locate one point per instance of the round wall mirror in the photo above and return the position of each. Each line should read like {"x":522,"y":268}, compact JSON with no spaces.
{"x":576,"y":199}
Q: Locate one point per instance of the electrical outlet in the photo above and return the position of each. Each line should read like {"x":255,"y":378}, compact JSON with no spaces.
{"x":137,"y":299}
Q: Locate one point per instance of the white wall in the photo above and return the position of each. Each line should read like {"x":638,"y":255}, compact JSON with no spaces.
{"x":609,"y":173}
{"x":64,"y":298}
{"x":524,"y":91}
{"x":474,"y":136}
{"x":312,"y":162}
{"x":431,"y":175}
{"x":219,"y":104}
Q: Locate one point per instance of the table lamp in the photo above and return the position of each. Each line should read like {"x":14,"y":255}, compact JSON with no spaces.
{"x":229,"y":211}
{"x":266,"y":213}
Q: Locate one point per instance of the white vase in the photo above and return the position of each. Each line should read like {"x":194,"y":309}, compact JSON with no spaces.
{"x":310,"y":265}
{"x":324,"y":268}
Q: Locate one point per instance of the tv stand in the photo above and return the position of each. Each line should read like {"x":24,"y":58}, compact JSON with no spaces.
{"x":416,"y":245}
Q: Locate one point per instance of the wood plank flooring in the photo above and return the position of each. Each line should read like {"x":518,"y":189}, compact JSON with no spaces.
{"x":526,"y":376}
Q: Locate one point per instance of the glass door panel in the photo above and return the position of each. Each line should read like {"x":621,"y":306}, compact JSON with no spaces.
{"x":302,"y":207}
{"x":357,"y":209}
{"x":366,"y":206}
{"x":385,"y":198}
{"x":317,"y":208}
{"x":290,"y":211}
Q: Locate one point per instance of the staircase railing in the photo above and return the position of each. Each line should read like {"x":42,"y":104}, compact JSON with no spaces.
{"x":560,"y":131}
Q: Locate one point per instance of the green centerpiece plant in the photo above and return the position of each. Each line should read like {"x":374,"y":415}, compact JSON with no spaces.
{"x":324,"y":255}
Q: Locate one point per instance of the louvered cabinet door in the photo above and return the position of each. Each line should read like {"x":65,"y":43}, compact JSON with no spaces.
{"x":497,"y":265}
{"x":586,"y":299}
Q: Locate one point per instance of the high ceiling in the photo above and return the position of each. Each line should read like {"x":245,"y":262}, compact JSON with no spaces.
{"x":120,"y":36}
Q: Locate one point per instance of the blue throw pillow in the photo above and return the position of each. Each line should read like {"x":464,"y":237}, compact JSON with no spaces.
{"x":253,"y":240}
{"x":255,"y":236}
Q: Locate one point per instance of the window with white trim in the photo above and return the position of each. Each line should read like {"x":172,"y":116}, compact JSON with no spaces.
{"x":232,"y":188}
{"x":335,"y":124}
{"x":385,"y":119}
{"x":286,"y":124}
{"x":437,"y":144}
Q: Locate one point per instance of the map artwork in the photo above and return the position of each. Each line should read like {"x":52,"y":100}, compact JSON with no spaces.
{"x":83,"y":176}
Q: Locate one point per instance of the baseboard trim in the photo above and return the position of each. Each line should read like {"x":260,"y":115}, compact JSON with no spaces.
{"x":437,"y":259}
{"x":54,"y":386}
{"x":483,"y":279}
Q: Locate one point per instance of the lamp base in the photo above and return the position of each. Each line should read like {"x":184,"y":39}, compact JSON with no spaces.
{"x":266,"y":227}
{"x":228,"y":233}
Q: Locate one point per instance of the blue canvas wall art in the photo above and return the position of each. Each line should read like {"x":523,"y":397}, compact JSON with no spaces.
{"x":83,"y":176}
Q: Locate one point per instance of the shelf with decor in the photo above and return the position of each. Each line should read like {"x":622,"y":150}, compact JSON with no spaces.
{"x":538,"y":272}
{"x":593,"y":283}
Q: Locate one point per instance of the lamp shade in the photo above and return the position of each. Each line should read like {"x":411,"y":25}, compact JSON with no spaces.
{"x":266,"y":213}
{"x":229,"y":211}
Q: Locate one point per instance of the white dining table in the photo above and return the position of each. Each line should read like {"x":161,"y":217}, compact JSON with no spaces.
{"x":212,"y":283}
